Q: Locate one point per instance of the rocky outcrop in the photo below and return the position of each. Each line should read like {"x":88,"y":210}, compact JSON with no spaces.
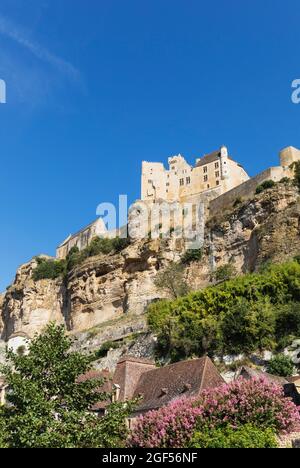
{"x":101,"y":289}
{"x":118,"y":288}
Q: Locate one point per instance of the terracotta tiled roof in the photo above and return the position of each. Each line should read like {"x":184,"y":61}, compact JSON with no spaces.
{"x":160,"y":386}
{"x":135,"y":359}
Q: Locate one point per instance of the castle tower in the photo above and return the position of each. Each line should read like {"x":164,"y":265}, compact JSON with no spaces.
{"x":288,"y":156}
{"x":224,"y":162}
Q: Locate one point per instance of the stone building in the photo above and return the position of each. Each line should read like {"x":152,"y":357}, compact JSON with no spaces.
{"x":181,"y":181}
{"x":82,"y":238}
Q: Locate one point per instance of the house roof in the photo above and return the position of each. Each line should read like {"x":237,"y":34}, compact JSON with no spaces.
{"x":259,"y":374}
{"x":209,"y":158}
{"x":160,"y":386}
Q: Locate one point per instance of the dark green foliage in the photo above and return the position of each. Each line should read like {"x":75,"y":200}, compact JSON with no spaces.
{"x":48,"y":269}
{"x":171,"y":280}
{"x":254,"y":311}
{"x":296,"y":167}
{"x":52,"y":269}
{"x":246,"y":436}
{"x":224,"y":272}
{"x":285,"y":180}
{"x":107,"y":346}
{"x":48,"y":407}
{"x":191,"y":255}
{"x":267,"y":184}
{"x":281,"y":365}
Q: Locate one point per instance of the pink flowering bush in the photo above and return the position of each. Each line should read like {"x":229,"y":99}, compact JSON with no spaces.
{"x":254,"y":402}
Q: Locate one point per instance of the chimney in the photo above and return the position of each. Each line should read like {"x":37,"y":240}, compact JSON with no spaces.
{"x":128,"y":372}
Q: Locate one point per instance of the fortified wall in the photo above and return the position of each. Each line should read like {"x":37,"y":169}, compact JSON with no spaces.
{"x":247,"y":189}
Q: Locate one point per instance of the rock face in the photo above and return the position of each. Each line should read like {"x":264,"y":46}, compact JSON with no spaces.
{"x":101,"y":289}
{"x":109,"y":288}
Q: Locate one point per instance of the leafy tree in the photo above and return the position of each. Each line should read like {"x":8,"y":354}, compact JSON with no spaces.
{"x":49,"y":407}
{"x":281,"y":365}
{"x":287,"y":323}
{"x":171,"y":280}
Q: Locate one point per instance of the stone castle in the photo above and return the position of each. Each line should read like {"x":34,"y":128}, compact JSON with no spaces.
{"x":216,"y":181}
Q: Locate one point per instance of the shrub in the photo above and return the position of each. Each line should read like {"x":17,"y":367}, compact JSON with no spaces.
{"x":287,"y":323}
{"x":254,"y":402}
{"x":48,"y":269}
{"x":285,"y":180}
{"x":296,"y":167}
{"x":246,"y":436}
{"x":224,"y":272}
{"x":191,"y":255}
{"x":107,"y":346}
{"x":281,"y":365}
{"x":267,"y":184}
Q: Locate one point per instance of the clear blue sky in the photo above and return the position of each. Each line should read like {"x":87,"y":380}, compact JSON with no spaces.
{"x":96,"y":86}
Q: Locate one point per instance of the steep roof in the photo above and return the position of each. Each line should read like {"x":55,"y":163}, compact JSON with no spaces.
{"x":160,"y":386}
{"x":209,"y":158}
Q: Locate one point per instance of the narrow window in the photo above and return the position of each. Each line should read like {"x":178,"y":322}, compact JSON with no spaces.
{"x":205,"y":178}
{"x":188,"y":180}
{"x":205,"y":169}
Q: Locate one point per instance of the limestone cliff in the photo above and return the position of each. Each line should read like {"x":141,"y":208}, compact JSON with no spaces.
{"x":105,"y":297}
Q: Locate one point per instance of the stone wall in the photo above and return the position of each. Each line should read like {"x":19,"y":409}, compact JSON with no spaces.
{"x":246,"y":190}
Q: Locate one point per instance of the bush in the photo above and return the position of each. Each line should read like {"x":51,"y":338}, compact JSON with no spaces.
{"x":224,"y":272}
{"x":246,"y":436}
{"x":191,"y":255}
{"x":48,"y":269}
{"x":107,"y":346}
{"x":296,"y":167}
{"x":281,"y":365}
{"x":267,"y":184}
{"x":285,"y":180}
{"x":254,"y":402}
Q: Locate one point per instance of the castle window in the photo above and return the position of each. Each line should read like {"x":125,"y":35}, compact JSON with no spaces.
{"x":205,"y":178}
{"x":208,"y":186}
{"x":181,"y":182}
{"x":218,"y":182}
{"x":216,"y":165}
{"x":217,"y":174}
{"x":150,"y":181}
{"x":188,"y":180}
{"x":167,"y":184}
{"x":205,"y":169}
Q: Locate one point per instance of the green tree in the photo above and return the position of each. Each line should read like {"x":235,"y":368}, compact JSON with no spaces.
{"x":49,"y":407}
{"x":281,"y":365}
{"x":224,"y":272}
{"x":172,"y":281}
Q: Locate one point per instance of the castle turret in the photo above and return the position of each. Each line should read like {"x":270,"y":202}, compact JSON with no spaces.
{"x":288,"y":156}
{"x":224,"y":162}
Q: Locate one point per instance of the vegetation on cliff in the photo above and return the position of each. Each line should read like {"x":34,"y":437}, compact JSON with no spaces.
{"x":52,"y":269}
{"x":245,"y":314}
